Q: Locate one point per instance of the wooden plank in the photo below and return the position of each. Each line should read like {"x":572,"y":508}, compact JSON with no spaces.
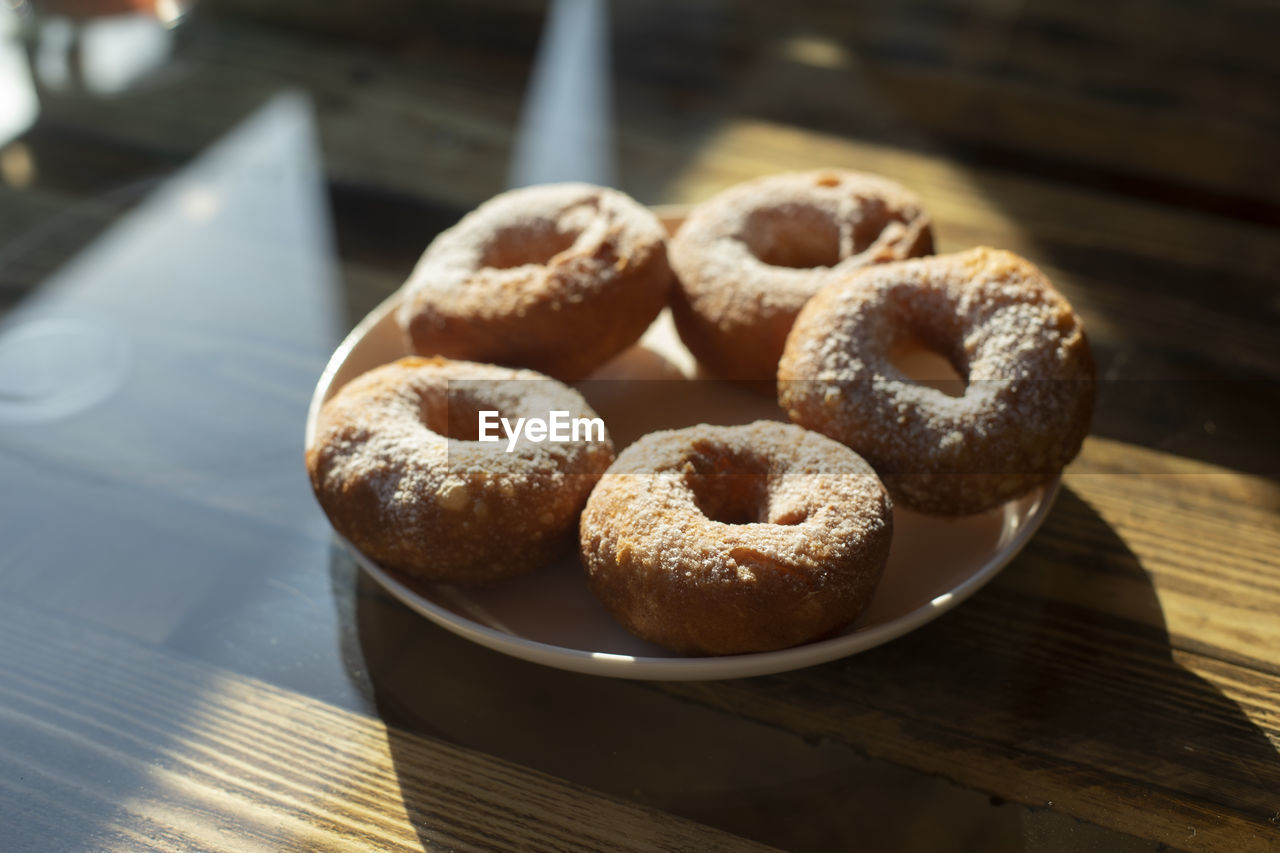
{"x":1206,"y":538}
{"x":110,"y":745}
{"x":424,"y":136}
{"x":1185,"y":101}
{"x":408,"y":131}
{"x":1025,"y":118}
{"x":1075,"y":748}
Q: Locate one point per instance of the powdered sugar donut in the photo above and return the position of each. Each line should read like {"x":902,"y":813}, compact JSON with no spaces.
{"x":748,"y":259}
{"x":397,"y":469}
{"x":558,"y":278}
{"x":722,"y":540}
{"x":1016,"y":342}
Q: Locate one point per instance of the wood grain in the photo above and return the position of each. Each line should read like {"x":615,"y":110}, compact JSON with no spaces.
{"x":108,"y":745}
{"x":1177,"y":95}
{"x":1205,"y":536}
{"x":1102,"y":94}
{"x":445,"y":138}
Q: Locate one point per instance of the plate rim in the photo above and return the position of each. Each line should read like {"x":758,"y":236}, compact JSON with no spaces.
{"x":705,"y":668}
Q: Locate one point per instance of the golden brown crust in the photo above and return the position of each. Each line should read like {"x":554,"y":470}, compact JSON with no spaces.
{"x":558,"y":278}
{"x":1022,"y":351}
{"x":724,"y":540}
{"x":748,"y":259}
{"x":442,"y":509}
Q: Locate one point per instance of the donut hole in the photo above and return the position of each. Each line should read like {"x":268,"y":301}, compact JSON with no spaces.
{"x":527,"y":243}
{"x":795,"y":236}
{"x":925,"y":362}
{"x":732,"y":488}
{"x":732,"y":498}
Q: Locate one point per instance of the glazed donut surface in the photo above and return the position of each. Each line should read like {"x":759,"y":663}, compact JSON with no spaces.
{"x":558,"y":278}
{"x":723,"y":540}
{"x":395,"y":466}
{"x":749,"y":258}
{"x":1028,"y":376}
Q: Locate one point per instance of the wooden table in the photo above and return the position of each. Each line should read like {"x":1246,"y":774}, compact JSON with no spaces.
{"x":188,"y":663}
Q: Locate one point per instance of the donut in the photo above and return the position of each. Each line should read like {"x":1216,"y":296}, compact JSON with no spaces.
{"x":749,"y":258}
{"x":396,"y":466}
{"x":1028,"y":374}
{"x":557,"y":278}
{"x":715,"y":540}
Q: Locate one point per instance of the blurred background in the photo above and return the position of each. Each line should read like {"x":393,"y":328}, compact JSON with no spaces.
{"x":418,"y":105}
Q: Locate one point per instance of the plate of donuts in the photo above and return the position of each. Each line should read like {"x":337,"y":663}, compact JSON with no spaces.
{"x":551,"y":617}
{"x":769,"y":367}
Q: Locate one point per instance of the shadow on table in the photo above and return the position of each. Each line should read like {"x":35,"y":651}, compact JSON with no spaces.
{"x":1063,"y":665}
{"x":1111,"y":682}
{"x":1057,"y":683}
{"x":629,"y":740}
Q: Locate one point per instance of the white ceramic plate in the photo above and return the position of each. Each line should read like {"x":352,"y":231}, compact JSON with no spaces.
{"x":550,"y":616}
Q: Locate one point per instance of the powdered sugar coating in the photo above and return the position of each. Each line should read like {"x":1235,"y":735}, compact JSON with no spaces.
{"x":557,"y":277}
{"x":748,"y":259}
{"x":804,"y":561}
{"x":440,"y":508}
{"x":1030,"y":377}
